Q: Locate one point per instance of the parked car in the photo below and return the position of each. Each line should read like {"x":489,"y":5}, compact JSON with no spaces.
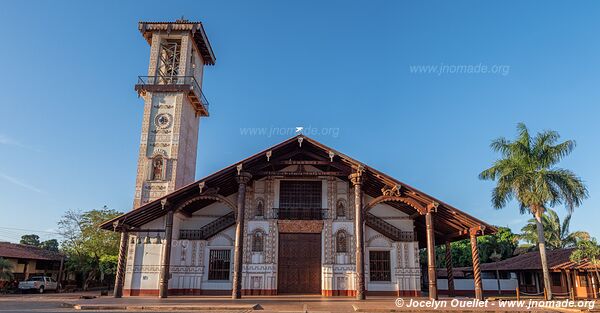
{"x":39,"y":284}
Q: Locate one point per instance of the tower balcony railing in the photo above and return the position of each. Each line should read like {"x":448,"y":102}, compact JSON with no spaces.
{"x":300,"y":214}
{"x":187,"y":84}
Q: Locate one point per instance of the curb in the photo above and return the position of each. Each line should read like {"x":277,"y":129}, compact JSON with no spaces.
{"x":565,"y":310}
{"x":109,"y":307}
{"x":358,"y":309}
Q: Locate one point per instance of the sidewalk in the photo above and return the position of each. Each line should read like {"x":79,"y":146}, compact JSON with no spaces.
{"x":299,"y":303}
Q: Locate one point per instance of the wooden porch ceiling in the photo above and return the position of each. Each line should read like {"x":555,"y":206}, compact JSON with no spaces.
{"x":450,"y":223}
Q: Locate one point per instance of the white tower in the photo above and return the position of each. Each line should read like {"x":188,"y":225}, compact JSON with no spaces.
{"x":173,"y":105}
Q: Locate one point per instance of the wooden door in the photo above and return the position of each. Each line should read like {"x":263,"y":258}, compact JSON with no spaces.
{"x":299,"y":263}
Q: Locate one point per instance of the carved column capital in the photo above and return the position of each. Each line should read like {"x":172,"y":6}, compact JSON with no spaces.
{"x":165,"y":204}
{"x":432,"y":207}
{"x":243,"y":178}
{"x":356,"y":178}
{"x":475,"y":231}
{"x":119,"y":225}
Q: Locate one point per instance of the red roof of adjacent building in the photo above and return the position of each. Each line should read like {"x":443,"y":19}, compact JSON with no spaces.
{"x":531,"y":261}
{"x":558,"y":260}
{"x":19,"y":251}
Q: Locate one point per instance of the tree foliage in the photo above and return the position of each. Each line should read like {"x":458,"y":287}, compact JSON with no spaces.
{"x":588,"y":250}
{"x":87,"y":246}
{"x":527,"y":172}
{"x":503,"y":243}
{"x":51,"y":245}
{"x":30,"y":240}
{"x":34,"y":240}
{"x":557,"y":234}
{"x":6,"y":269}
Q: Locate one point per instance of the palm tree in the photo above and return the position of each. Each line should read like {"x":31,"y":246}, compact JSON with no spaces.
{"x":556,"y":235}
{"x":526,"y":172}
{"x":5,"y":270}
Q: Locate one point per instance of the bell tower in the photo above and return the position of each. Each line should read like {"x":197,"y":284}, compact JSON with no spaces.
{"x":173,"y":105}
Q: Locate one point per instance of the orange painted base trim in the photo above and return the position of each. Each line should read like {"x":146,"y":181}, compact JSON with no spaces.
{"x":338,"y":293}
{"x":408,"y":293}
{"x":140,"y":292}
{"x":471,"y":293}
{"x":396,"y":293}
{"x":270,"y":292}
{"x":352,"y":293}
{"x":185,"y":292}
{"x":212,"y":292}
{"x":175,"y":292}
{"x":259,"y":292}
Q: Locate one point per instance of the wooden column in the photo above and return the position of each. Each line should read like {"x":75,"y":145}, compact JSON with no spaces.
{"x":122,"y":262}
{"x":593,"y":282}
{"x":476,"y":265}
{"x":243,"y":178}
{"x":61,"y":269}
{"x":569,"y":285}
{"x":449,"y":269}
{"x":163,"y":291}
{"x":357,"y":180}
{"x":431,"y":271}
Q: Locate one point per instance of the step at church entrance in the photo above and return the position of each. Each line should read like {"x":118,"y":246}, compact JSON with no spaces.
{"x":299,"y":263}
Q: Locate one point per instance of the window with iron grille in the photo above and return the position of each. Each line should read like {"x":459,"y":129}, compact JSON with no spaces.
{"x":218,"y":264}
{"x":300,"y":194}
{"x":379,"y":266}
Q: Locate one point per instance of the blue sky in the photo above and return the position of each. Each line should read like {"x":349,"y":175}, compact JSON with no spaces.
{"x":71,"y":120}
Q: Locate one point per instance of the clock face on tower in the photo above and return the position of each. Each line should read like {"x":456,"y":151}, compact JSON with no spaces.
{"x":163,"y":120}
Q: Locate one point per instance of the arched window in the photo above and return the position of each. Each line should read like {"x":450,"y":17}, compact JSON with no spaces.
{"x":341,"y":242}
{"x":340,"y":209}
{"x":260,"y":208}
{"x":258,"y":241}
{"x":158,"y":165}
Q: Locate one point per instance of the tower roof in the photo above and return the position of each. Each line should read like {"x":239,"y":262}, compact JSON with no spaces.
{"x":181,"y":25}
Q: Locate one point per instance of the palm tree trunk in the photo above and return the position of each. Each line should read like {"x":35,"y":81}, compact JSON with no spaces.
{"x":542,"y":246}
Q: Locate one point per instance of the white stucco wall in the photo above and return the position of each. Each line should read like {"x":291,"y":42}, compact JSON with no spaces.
{"x":467,"y":284}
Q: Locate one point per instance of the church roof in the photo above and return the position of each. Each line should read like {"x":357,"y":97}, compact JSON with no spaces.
{"x":450,"y":223}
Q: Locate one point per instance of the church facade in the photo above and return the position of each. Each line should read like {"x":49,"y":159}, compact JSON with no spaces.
{"x":296,"y":218}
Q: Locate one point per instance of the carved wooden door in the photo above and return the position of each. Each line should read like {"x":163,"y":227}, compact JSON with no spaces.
{"x":299,"y":263}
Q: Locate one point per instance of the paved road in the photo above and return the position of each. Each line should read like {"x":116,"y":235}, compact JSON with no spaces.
{"x":17,"y":305}
{"x":52,"y":303}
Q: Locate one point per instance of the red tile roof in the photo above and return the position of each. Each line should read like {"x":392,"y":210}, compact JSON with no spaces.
{"x":531,"y":261}
{"x":19,"y":251}
{"x":558,"y":259}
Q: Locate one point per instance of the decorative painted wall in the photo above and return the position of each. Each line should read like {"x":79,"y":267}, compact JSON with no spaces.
{"x":190,"y":258}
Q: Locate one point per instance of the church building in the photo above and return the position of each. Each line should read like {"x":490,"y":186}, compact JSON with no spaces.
{"x":295,"y":218}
